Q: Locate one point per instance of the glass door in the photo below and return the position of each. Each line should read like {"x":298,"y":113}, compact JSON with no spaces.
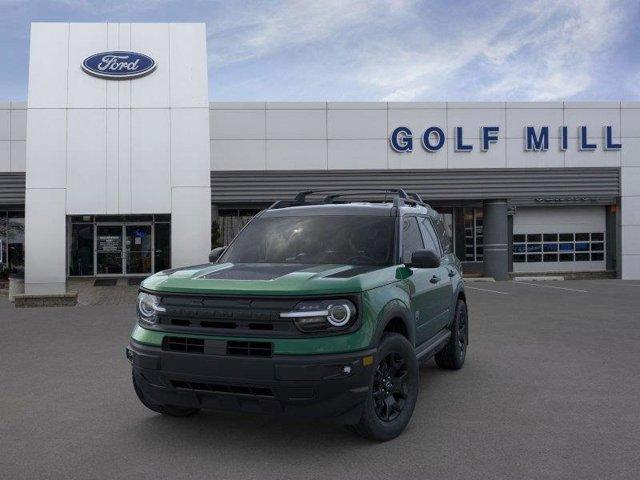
{"x":138,"y":249}
{"x":109,"y":250}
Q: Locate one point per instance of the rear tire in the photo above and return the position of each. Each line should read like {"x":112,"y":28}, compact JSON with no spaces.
{"x":170,"y":410}
{"x":452,"y":356}
{"x":393,"y":390}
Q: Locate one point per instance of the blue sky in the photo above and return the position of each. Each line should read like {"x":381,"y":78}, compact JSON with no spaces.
{"x":363,"y":50}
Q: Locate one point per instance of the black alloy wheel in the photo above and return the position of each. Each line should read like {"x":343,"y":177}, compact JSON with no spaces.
{"x":390,"y":387}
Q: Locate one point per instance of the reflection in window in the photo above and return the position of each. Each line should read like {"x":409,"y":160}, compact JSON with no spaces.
{"x":473,"y":234}
{"x":558,"y":247}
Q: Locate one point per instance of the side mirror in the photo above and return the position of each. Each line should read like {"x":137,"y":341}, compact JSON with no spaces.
{"x":215,"y":254}
{"x":424,"y":259}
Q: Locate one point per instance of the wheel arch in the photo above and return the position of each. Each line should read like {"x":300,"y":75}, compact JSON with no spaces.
{"x":396,"y":318}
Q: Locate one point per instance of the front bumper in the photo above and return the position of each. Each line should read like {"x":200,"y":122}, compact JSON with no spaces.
{"x":304,"y":386}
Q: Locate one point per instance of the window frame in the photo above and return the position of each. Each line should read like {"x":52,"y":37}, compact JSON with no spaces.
{"x":424,"y":223}
{"x":402,"y":218}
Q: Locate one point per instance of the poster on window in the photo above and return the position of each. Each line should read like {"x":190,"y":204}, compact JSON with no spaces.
{"x":109,"y":243}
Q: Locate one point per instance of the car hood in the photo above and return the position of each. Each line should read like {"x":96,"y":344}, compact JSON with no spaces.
{"x":270,"y":279}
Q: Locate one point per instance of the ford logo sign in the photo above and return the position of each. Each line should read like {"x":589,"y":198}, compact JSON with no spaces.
{"x":118,"y":65}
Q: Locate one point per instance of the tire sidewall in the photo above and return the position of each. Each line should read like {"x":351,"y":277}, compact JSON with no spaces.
{"x":376,"y":428}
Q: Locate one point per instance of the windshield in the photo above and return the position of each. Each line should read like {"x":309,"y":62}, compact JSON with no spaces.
{"x":314,"y":240}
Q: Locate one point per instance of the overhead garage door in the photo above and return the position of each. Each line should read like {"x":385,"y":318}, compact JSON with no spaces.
{"x":559,"y":239}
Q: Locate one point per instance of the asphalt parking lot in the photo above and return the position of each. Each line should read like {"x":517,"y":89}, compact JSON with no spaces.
{"x":551,"y":390}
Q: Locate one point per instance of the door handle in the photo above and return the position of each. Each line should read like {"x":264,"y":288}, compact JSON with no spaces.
{"x":434,"y":279}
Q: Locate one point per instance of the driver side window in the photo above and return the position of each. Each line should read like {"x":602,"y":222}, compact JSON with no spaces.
{"x":411,"y":238}
{"x":430,"y":239}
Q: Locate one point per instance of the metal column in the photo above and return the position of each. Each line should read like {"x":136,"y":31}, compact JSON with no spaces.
{"x":495,"y":233}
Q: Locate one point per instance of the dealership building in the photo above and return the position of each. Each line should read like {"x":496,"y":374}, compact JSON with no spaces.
{"x":118,"y":165}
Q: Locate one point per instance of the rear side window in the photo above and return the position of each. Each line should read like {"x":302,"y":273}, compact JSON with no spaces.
{"x":411,"y":238}
{"x":430,"y":239}
{"x":443,"y":234}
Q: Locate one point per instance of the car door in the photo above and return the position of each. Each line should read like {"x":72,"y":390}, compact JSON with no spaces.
{"x":420,"y":288}
{"x":441,"y":293}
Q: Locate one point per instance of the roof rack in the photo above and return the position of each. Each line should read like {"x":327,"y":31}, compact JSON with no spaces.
{"x":400,"y":197}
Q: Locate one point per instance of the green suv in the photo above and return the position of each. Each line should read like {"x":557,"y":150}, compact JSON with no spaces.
{"x":317,"y":309}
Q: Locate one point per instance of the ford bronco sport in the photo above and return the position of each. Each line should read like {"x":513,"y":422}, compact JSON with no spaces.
{"x":317,"y":309}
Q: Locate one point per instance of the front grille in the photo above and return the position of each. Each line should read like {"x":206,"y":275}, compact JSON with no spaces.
{"x":227,"y":315}
{"x":255,"y":391}
{"x":183,"y":344}
{"x":250,"y":349}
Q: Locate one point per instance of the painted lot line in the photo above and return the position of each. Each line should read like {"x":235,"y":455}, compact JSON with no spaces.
{"x":485,"y":290}
{"x":551,"y":286}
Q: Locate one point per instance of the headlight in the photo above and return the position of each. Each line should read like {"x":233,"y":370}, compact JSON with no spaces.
{"x":322,"y":315}
{"x":148,"y":308}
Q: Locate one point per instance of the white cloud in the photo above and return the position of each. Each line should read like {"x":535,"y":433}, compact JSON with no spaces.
{"x":260,"y":29}
{"x":546,"y":51}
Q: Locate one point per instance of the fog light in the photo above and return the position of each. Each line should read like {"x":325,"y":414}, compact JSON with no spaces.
{"x":368,"y":360}
{"x":346,"y":369}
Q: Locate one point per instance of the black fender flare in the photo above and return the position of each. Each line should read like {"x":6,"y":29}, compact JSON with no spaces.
{"x":395,"y":309}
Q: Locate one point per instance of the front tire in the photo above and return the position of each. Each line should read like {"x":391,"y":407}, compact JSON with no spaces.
{"x":452,"y":356}
{"x":170,"y":410}
{"x":393,"y":390}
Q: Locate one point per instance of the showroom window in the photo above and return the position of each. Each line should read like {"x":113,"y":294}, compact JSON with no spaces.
{"x":473,"y":239}
{"x":228,"y":224}
{"x":11,"y":242}
{"x":558,"y":247}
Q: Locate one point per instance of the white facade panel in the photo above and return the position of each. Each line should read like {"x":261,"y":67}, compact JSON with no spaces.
{"x":190,"y":226}
{"x":234,"y":124}
{"x":598,"y":158}
{"x":471,"y":119}
{"x":356,"y":124}
{"x":190,"y":165}
{"x":418,"y":158}
{"x":631,"y":239}
{"x":47,"y":148}
{"x":152,"y":91}
{"x":18,"y":156}
{"x":494,"y":157}
{"x":630,"y":122}
{"x":238,"y":155}
{"x":630,"y":153}
{"x":517,"y":157}
{"x":519,"y":118}
{"x":113,"y":43}
{"x":630,"y":211}
{"x":85,"y":91}
{"x":5,"y":124}
{"x":592,"y":118}
{"x":417,"y":120}
{"x":5,"y":156}
{"x":296,"y":155}
{"x":124,"y":161}
{"x":357,"y":154}
{"x":188,"y":54}
{"x":45,"y":241}
{"x":86,"y":161}
{"x":150,"y":160}
{"x":48,"y":62}
{"x":124,"y":86}
{"x":296,"y":124}
{"x":112,"y":161}
{"x":18,"y":124}
{"x":630,"y":182}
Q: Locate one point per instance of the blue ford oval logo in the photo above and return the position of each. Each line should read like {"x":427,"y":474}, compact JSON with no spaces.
{"x":118,"y":65}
